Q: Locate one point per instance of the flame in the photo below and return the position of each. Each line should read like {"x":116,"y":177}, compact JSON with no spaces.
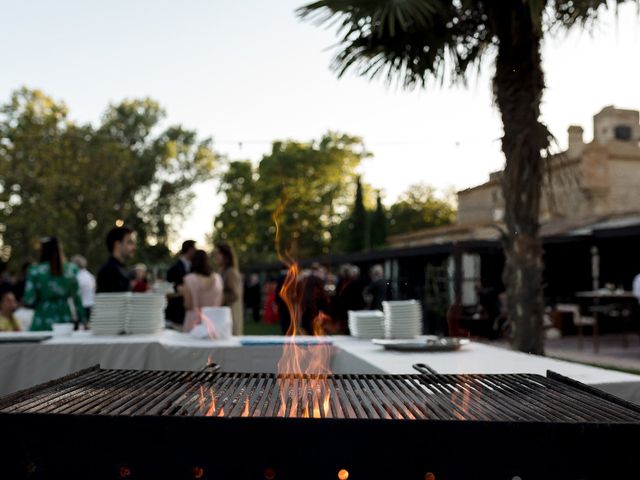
{"x":302,"y":369}
{"x":201,"y":402}
{"x":245,"y":411}
{"x":212,"y":405}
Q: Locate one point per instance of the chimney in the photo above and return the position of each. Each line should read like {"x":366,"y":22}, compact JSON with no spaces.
{"x":576,"y":143}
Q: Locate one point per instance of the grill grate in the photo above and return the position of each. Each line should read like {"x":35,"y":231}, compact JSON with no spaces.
{"x":512,"y":397}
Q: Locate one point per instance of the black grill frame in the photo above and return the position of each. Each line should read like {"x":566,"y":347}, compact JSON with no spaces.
{"x":120,"y":445}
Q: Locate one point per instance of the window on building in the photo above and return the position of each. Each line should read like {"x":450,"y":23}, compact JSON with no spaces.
{"x":470,"y":277}
{"x":622,"y":132}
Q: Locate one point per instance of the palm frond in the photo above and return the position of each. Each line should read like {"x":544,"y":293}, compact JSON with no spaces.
{"x":580,"y":13}
{"x":409,"y":40}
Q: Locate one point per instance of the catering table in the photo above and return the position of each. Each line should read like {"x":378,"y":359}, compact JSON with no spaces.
{"x":26,"y":364}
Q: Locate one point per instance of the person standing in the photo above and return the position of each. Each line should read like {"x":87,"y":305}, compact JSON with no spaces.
{"x":253,"y":297}
{"x":175,"y":275}
{"x":140,"y":283}
{"x":228,"y":267}
{"x":52,"y":288}
{"x":113,"y":275}
{"x":202,"y":288}
{"x":8,"y":305}
{"x":314,"y":298}
{"x":378,"y":289}
{"x":87,"y":284}
{"x":271,"y":314}
{"x":18,"y":287}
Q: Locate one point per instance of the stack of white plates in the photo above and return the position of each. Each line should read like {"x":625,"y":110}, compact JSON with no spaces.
{"x":366,"y":323}
{"x":146,"y":313}
{"x":109,"y":313}
{"x":402,"y":319}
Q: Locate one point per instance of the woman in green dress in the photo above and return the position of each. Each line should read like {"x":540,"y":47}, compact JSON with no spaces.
{"x":52,"y":288}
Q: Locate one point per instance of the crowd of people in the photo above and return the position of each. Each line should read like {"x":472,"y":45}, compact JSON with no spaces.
{"x":60,"y":291}
{"x":319,"y":295}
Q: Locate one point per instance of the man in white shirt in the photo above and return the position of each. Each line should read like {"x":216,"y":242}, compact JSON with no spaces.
{"x":86,"y":283}
{"x":636,"y":287}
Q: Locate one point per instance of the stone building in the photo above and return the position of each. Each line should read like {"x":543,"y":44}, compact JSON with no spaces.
{"x":586,"y":181}
{"x":590,"y":218}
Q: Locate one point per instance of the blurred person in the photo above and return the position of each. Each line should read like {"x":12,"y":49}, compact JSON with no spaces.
{"x":87,"y":285}
{"x":52,"y":288}
{"x":175,"y":275}
{"x":8,"y":305}
{"x":635,"y":288}
{"x":202,"y":288}
{"x":18,"y":287}
{"x":378,"y":290}
{"x":227,"y":265}
{"x":270,"y":312}
{"x":140,"y":284}
{"x":113,"y":275}
{"x":314,"y":298}
{"x":349,"y":296}
{"x":253,"y":296}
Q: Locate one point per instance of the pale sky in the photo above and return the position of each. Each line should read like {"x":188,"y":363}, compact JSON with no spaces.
{"x":249,"y":71}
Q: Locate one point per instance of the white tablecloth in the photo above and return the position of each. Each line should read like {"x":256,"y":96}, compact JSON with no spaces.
{"x":26,"y":364}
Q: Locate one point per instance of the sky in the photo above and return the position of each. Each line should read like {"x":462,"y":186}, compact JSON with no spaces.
{"x":247,"y":72}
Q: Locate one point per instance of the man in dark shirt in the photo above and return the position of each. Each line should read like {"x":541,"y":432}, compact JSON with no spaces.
{"x":113,"y":275}
{"x":378,"y":289}
{"x":175,"y":307}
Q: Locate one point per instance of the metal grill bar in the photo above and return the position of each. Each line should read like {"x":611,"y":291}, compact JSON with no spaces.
{"x":426,"y":396}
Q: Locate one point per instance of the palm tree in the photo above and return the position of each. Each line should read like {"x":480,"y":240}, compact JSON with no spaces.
{"x":416,"y":41}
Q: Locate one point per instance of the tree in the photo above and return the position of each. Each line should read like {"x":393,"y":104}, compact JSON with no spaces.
{"x":415,"y":41}
{"x":358,"y":235}
{"x":419,"y":208}
{"x":378,"y":224}
{"x":75,"y":181}
{"x":236,"y":221}
{"x":316,"y":180}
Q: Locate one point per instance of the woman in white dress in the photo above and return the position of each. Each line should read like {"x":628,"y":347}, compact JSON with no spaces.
{"x":202,"y":288}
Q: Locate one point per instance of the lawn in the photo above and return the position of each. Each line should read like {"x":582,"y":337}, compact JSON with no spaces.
{"x":252,"y":328}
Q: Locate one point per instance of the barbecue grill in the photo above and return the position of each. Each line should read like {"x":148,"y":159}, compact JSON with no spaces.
{"x":210,"y":424}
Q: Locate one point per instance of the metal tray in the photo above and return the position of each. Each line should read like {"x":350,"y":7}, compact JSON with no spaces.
{"x":422,"y":344}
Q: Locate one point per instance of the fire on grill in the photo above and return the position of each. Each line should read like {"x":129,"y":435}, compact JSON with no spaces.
{"x":210,"y":424}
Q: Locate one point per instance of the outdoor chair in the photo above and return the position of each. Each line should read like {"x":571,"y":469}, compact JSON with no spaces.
{"x":454,"y":313}
{"x":581,"y":321}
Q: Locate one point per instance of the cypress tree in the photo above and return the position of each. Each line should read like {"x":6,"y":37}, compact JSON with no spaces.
{"x":379,"y":225}
{"x":358,"y":235}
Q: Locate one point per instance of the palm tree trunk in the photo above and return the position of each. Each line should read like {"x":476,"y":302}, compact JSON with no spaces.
{"x":518,"y":85}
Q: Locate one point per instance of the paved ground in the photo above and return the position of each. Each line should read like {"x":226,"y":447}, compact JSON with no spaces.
{"x":612,"y":352}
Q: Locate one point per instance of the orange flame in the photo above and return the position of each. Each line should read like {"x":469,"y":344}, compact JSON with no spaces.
{"x":212,"y":405}
{"x":201,"y":402}
{"x":245,"y":410}
{"x":302,"y":369}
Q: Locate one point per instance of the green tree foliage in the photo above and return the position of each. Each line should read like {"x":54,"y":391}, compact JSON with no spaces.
{"x":379,"y":224}
{"x":236,"y":223}
{"x":74,"y":181}
{"x":414,"y":42}
{"x":316,"y":180}
{"x":417,"y":208}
